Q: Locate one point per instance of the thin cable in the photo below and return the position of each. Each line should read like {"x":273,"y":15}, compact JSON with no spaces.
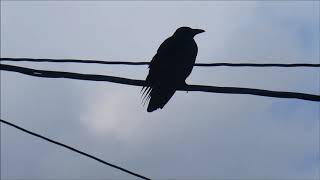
{"x":73,"y":149}
{"x":135,"y":82}
{"x":147,"y":63}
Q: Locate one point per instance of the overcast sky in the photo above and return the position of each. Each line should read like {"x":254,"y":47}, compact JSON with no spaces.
{"x":197,"y":135}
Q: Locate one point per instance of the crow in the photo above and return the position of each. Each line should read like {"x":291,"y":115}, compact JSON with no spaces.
{"x":170,"y":67}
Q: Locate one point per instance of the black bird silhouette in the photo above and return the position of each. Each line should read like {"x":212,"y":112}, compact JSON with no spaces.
{"x":170,"y":67}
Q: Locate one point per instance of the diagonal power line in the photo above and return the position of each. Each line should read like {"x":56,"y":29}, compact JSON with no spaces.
{"x":147,"y":63}
{"x":134,"y":82}
{"x":73,"y":149}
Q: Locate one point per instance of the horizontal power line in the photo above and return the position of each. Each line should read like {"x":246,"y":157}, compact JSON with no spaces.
{"x":147,"y":63}
{"x":73,"y":149}
{"x":134,"y":82}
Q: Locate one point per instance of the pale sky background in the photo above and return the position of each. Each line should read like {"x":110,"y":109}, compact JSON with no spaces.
{"x":197,"y":135}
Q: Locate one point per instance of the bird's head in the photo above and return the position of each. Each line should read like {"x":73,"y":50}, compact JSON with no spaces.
{"x":187,"y":32}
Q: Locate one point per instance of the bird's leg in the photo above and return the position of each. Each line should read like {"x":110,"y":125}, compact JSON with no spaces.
{"x":185,"y":85}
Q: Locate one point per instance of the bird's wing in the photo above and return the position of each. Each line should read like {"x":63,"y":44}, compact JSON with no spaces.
{"x":158,"y":66}
{"x":174,"y":60}
{"x":170,"y":66}
{"x":166,"y":49}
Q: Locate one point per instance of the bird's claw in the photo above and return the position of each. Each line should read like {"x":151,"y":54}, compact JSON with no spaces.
{"x":186,"y":85}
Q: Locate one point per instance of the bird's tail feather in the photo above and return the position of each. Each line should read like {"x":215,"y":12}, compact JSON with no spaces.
{"x":145,"y":94}
{"x":146,"y":90}
{"x":159,"y":97}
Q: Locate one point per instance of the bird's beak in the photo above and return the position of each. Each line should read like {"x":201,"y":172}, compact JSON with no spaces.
{"x":198,"y":31}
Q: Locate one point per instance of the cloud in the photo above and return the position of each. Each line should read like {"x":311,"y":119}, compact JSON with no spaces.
{"x":197,"y":135}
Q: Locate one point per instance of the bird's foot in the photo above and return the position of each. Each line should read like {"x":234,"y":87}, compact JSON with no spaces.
{"x":185,"y":85}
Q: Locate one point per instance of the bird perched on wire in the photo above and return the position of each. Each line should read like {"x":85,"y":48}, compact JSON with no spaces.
{"x":170,"y":67}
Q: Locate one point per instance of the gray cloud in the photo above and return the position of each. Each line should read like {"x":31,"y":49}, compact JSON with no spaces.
{"x":197,"y":135}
